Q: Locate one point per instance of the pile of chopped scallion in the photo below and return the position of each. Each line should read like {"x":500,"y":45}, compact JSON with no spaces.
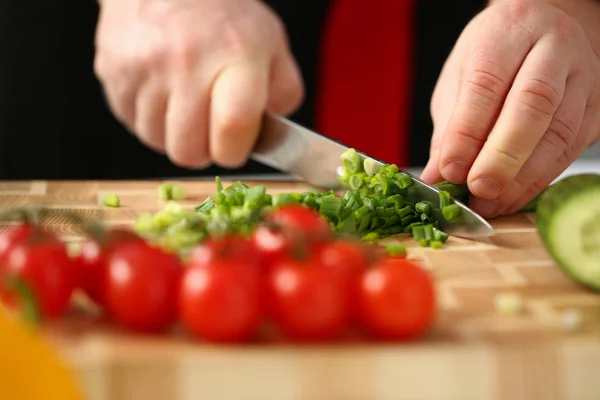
{"x":373,"y":206}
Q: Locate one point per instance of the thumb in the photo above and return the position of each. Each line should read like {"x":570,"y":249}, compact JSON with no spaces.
{"x":286,"y":88}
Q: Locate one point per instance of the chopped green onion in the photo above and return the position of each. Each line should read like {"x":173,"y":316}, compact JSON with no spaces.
{"x":418,"y":232}
{"x":424,"y":243}
{"x":111,"y":200}
{"x":436,"y":244}
{"x":352,"y":161}
{"x":395,"y":250}
{"x":371,"y":166}
{"x":356,"y":181}
{"x":451,"y":212}
{"x":371,"y":236}
{"x":177,"y":192}
{"x":439,"y":235}
{"x":423,"y":208}
{"x":445,"y":199}
{"x":331,"y":208}
{"x":286,"y":198}
{"x":428,"y":232}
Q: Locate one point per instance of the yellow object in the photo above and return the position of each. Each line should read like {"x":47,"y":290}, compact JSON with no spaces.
{"x":30,"y":369}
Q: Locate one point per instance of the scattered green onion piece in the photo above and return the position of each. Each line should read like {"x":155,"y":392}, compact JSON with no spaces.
{"x":451,"y":212}
{"x":424,"y":243}
{"x":177,"y":192}
{"x":395,"y":250}
{"x":436,"y":244}
{"x":164,"y":191}
{"x":111,"y":200}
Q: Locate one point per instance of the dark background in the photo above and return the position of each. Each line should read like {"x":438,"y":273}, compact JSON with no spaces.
{"x":54,"y":123}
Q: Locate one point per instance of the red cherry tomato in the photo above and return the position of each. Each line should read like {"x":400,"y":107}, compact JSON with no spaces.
{"x":92,"y":261}
{"x":309,"y":300}
{"x":141,"y":285}
{"x":222,"y":301}
{"x":286,"y":228}
{"x":350,"y":258}
{"x":48,"y":272}
{"x":300,"y":219}
{"x":397,"y":300}
{"x":20,"y":233}
{"x":231,"y":246}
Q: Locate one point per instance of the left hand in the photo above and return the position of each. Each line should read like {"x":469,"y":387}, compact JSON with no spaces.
{"x":517,"y":102}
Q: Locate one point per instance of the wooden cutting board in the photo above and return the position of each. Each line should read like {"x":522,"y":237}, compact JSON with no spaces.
{"x":474,"y":352}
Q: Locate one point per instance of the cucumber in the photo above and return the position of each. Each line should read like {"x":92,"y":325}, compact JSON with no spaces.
{"x":568,"y":222}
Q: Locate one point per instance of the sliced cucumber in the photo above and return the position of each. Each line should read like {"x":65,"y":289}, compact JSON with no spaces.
{"x":568,"y":221}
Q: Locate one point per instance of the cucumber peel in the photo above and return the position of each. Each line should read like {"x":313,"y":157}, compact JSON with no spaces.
{"x":568,"y":222}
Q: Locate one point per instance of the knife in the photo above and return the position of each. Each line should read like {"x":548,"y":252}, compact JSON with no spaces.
{"x":292,"y":148}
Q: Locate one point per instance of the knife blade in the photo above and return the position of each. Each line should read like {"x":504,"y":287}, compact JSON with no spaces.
{"x":289,"y":147}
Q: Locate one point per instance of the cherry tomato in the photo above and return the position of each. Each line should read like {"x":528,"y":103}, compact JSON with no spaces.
{"x":396,"y":299}
{"x":309,"y":300}
{"x":141,"y":285}
{"x":47,"y":270}
{"x":300,"y":219}
{"x":286,"y":228}
{"x":231,"y":246}
{"x":92,"y":261}
{"x":350,"y":258}
{"x":222,"y":301}
{"x":20,"y":233}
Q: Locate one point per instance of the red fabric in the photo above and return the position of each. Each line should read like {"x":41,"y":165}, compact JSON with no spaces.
{"x":365,"y":77}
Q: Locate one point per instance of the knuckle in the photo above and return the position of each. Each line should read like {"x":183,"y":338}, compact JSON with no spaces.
{"x":486,"y":85}
{"x":520,"y":10}
{"x":183,"y":53}
{"x":509,"y":158}
{"x":567,"y":29}
{"x":539,"y":97}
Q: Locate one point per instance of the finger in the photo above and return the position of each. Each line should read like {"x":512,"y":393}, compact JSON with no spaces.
{"x":151,"y":107}
{"x":549,"y":155}
{"x":186,"y":136}
{"x":121,"y":101}
{"x":486,"y":80}
{"x":286,"y":89}
{"x":120,"y":86}
{"x":442,"y":102}
{"x":527,"y":113}
{"x":239,"y":99}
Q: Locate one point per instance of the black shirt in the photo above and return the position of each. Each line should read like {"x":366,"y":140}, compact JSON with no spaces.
{"x":55,"y":124}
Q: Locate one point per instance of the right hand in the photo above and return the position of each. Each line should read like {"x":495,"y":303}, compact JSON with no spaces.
{"x":192,"y":78}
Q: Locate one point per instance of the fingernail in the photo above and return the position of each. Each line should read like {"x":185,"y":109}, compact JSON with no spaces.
{"x":455,"y":171}
{"x":486,"y":208}
{"x":485,"y":188}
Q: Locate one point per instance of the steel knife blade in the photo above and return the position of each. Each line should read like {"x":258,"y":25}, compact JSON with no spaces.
{"x":315,"y":158}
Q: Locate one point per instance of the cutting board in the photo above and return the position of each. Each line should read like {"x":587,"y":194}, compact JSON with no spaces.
{"x":547,"y":351}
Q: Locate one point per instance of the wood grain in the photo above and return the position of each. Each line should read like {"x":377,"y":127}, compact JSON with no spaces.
{"x":472,"y":353}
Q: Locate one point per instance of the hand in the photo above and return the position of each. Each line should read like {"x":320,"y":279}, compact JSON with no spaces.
{"x":192,"y":78}
{"x":517,"y":101}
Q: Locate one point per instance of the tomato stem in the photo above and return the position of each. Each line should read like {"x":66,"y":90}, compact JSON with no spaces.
{"x":27,"y":300}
